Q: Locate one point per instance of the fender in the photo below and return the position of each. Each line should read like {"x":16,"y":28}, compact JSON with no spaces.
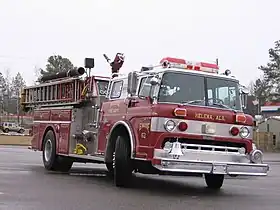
{"x":130,"y":133}
{"x":55,"y":129}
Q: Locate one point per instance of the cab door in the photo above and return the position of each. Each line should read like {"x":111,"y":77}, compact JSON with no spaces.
{"x":112,"y":110}
{"x":139,"y":111}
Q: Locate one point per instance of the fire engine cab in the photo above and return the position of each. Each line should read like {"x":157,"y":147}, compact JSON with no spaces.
{"x":178,"y":117}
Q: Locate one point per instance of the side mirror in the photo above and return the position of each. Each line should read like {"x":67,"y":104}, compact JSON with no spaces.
{"x":243,"y":91}
{"x":244,"y":97}
{"x":154,"y":81}
{"x":132,"y":83}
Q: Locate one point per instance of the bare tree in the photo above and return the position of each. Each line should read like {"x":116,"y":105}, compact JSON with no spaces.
{"x":2,"y":91}
{"x":7,"y":93}
{"x":37,"y":74}
{"x":16,"y":86}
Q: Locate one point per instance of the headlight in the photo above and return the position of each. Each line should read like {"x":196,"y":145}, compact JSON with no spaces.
{"x":167,"y":146}
{"x":169,"y":125}
{"x":242,"y":150}
{"x":256,"y":156}
{"x":244,"y":132}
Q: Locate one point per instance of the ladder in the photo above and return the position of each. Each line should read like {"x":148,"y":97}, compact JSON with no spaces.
{"x":53,"y":93}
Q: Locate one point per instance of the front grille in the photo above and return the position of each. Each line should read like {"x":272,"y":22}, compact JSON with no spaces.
{"x":207,"y":145}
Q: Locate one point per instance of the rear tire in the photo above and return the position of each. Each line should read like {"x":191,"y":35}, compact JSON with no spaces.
{"x":214,"y":181}
{"x":53,"y":162}
{"x":123,"y":163}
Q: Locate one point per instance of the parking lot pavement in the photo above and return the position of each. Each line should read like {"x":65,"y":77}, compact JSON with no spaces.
{"x":24,"y":184}
{"x":272,"y":157}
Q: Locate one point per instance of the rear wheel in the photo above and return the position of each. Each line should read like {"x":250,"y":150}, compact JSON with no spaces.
{"x":52,"y":161}
{"x":122,"y":164}
{"x":214,"y":181}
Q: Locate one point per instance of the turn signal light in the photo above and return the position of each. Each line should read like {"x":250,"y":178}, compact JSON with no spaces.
{"x":240,"y":118}
{"x":234,"y":131}
{"x":180,"y":112}
{"x":182,"y":126}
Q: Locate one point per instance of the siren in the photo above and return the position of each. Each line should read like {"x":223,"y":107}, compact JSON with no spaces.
{"x":169,"y":62}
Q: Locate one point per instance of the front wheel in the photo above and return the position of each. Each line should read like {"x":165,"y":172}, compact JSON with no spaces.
{"x":52,"y":161}
{"x":122,"y":165}
{"x":110,"y":167}
{"x":21,"y":131}
{"x":214,"y":181}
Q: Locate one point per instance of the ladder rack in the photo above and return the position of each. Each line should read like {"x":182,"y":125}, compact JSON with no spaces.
{"x":53,"y":93}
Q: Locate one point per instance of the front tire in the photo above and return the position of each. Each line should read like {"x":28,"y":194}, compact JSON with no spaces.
{"x":110,"y":167}
{"x":53,"y":162}
{"x":123,"y":164}
{"x":21,"y":131}
{"x":214,"y":181}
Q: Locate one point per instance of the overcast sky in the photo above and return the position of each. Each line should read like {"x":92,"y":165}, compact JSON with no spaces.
{"x":238,"y":32}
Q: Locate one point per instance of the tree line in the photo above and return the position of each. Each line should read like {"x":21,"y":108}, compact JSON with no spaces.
{"x":263,"y":89}
{"x":10,"y":87}
{"x":267,"y":87}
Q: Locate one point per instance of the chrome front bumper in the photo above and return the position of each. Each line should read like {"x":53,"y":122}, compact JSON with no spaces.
{"x":205,"y":161}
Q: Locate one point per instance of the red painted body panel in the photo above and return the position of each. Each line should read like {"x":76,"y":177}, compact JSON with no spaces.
{"x":113,"y":112}
{"x":119,"y":110}
{"x":139,"y":117}
{"x":140,"y":113}
{"x":63,"y":139}
{"x":61,"y":115}
{"x":48,"y":118}
{"x":42,"y":115}
{"x":36,"y":136}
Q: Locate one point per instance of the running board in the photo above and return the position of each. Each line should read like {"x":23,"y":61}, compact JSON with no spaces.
{"x":91,"y":158}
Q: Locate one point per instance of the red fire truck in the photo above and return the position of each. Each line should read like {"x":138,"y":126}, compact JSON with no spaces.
{"x":177,"y":118}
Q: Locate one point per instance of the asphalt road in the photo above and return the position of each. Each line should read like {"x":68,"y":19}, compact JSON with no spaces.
{"x":24,"y":184}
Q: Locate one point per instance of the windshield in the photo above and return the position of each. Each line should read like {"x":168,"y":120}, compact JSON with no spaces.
{"x":199,"y":90}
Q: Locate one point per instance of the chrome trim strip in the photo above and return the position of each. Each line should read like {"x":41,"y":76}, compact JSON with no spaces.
{"x":195,"y":127}
{"x":201,"y":161}
{"x":226,"y":168}
{"x":201,"y":147}
{"x":54,"y":107}
{"x":52,"y":122}
{"x":86,"y":157}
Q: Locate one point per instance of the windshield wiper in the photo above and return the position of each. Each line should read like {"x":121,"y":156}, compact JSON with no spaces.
{"x":192,"y":102}
{"x":220,"y":105}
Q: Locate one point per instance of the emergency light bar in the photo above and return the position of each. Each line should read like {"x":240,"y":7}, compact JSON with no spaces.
{"x":169,"y":62}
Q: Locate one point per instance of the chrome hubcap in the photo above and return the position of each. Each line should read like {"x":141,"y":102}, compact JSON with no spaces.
{"x":48,"y":150}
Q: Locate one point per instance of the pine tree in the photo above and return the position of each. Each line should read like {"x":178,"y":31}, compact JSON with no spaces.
{"x":272,"y":70}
